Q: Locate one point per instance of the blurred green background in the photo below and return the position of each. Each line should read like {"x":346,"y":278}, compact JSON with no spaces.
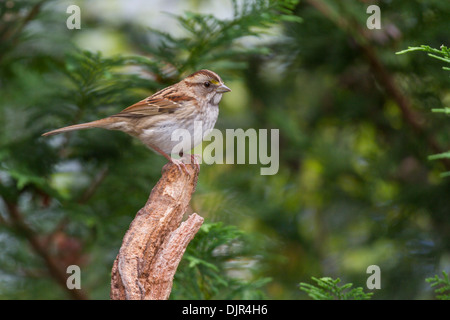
{"x":355,"y":187}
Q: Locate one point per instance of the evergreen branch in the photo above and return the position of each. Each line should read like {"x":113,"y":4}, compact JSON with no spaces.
{"x":209,"y":37}
{"x":442,"y":155}
{"x":439,"y":58}
{"x":384,"y":76}
{"x":441,"y":285}
{"x":328,"y":289}
{"x":445,"y":110}
{"x":443,"y":53}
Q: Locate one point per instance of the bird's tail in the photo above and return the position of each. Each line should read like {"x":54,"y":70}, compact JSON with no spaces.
{"x":93,"y":124}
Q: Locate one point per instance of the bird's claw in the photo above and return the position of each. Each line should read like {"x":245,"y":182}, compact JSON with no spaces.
{"x":194,"y":159}
{"x":180,"y":164}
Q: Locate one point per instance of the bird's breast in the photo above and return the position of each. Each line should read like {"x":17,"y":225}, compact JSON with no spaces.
{"x":173,"y":135}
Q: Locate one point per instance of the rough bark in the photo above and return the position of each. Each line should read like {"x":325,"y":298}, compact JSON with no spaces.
{"x":157,"y":238}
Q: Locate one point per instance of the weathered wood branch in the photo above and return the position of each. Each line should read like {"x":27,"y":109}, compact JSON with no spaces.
{"x":157,"y":238}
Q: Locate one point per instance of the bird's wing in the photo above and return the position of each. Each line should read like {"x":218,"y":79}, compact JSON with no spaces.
{"x":149,"y":107}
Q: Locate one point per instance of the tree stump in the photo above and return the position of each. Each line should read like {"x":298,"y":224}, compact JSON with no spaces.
{"x":157,"y":238}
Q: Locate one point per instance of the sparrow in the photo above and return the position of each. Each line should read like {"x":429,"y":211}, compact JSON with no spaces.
{"x":193,"y":100}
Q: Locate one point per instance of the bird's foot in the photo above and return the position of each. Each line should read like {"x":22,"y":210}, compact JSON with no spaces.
{"x":195,"y":159}
{"x":189,"y":159}
{"x":180,"y":165}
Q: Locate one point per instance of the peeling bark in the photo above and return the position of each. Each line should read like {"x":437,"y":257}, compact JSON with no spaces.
{"x":157,"y":238}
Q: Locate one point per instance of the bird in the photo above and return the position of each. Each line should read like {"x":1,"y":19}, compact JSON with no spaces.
{"x":192,"y":101}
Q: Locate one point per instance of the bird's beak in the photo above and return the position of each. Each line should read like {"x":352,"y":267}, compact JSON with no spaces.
{"x":222,"y":89}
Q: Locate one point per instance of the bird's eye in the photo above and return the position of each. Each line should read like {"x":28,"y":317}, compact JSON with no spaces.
{"x":207,"y":84}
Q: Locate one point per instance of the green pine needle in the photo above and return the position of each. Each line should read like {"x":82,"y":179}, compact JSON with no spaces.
{"x":441,"y":285}
{"x":328,"y":289}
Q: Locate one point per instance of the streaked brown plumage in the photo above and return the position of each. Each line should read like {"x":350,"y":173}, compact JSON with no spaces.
{"x":192,"y":101}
